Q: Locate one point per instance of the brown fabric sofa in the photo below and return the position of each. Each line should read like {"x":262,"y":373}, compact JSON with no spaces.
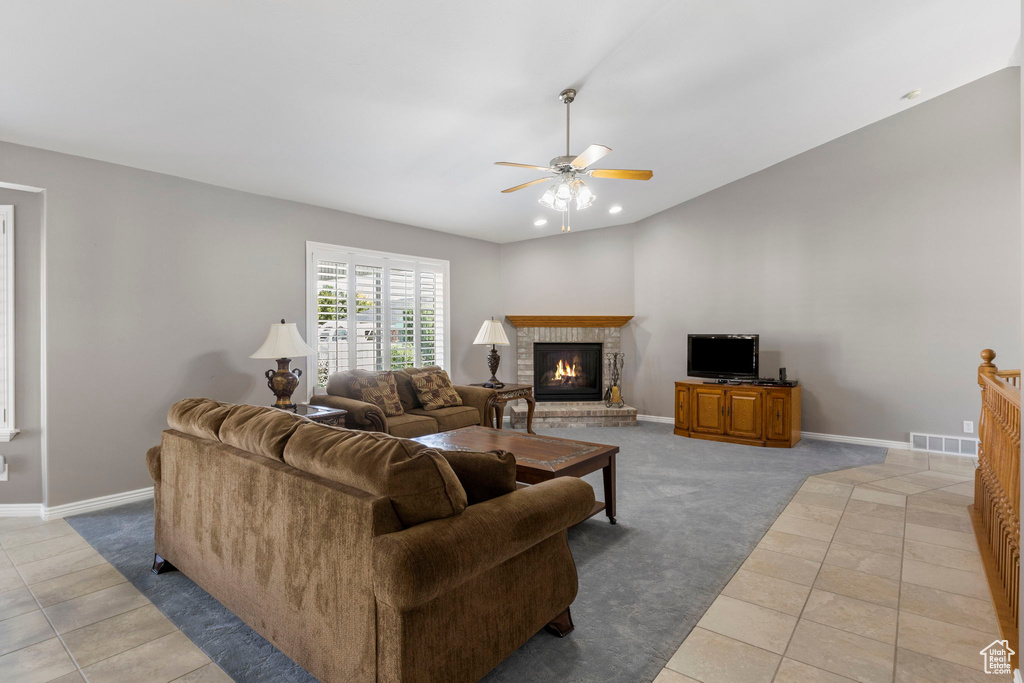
{"x":416,"y":421}
{"x":363,"y":557}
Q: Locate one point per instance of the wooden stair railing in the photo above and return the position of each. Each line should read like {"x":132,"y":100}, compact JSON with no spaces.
{"x":996,"y":509}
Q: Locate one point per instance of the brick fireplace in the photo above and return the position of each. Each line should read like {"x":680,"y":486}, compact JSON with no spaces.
{"x":570,"y":395}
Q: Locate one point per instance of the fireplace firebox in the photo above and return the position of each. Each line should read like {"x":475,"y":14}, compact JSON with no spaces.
{"x":567,"y":372}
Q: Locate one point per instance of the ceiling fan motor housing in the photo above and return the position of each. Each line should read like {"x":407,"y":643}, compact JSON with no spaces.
{"x":562,"y":162}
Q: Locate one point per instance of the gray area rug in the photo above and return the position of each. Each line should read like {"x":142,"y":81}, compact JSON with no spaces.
{"x":689,"y":513}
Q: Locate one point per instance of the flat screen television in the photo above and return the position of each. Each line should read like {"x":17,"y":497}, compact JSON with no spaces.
{"x":722,"y":356}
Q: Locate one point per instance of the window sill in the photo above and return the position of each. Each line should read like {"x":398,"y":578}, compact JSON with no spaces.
{"x":8,"y":434}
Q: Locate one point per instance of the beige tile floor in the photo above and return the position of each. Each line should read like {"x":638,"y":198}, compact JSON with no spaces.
{"x":67,"y":615}
{"x":870,"y":574}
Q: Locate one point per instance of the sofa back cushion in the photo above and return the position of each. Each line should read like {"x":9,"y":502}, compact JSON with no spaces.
{"x":340,"y":384}
{"x":200,"y":417}
{"x":406,"y":393}
{"x":418,"y":480}
{"x":260,"y":430}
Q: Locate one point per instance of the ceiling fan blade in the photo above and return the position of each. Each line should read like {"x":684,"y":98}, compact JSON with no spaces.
{"x":532,"y":182}
{"x":590,"y":155}
{"x":509,"y":163}
{"x":621,"y":173}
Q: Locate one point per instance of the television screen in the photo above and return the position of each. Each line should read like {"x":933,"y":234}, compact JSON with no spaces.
{"x":722,"y":356}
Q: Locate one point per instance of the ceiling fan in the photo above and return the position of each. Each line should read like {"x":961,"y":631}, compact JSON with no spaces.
{"x":568,"y":189}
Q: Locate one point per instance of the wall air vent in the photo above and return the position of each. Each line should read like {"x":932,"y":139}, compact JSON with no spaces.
{"x":935,"y":443}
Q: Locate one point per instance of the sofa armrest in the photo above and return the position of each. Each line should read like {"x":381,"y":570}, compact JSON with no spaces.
{"x":418,"y":564}
{"x":478,"y":397}
{"x":361,"y":415}
{"x":153,"y":463}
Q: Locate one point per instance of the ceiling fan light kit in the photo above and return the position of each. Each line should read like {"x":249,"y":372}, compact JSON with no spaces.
{"x":568,"y":191}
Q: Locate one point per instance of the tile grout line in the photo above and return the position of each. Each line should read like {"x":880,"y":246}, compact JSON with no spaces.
{"x":48,"y":620}
{"x":800,"y":618}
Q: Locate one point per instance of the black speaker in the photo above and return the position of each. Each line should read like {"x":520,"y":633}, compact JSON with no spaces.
{"x":782,"y":374}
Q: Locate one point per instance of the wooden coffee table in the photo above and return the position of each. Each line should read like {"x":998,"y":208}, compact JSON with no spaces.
{"x":538,"y":458}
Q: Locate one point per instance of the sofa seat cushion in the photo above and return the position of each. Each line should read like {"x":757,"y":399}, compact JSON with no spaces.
{"x":200,"y":417}
{"x":260,"y":430}
{"x":418,"y":480}
{"x":410,"y":425}
{"x":379,"y":389}
{"x":450,"y":418}
{"x":434,"y":390}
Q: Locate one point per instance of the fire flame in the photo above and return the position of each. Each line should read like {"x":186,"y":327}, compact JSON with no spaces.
{"x":565,"y":370}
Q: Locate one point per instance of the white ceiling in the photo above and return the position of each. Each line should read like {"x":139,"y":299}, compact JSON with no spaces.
{"x":397,"y":109}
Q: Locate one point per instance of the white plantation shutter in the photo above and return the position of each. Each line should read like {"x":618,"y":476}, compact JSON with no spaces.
{"x":402,"y":317}
{"x":375,"y":311}
{"x":431,"y":318}
{"x":369,"y":319}
{"x":7,"y":429}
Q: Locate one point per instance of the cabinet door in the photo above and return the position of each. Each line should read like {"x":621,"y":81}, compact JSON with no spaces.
{"x":683,"y":408}
{"x":707,"y":411}
{"x":743,"y":414}
{"x":777,"y":416}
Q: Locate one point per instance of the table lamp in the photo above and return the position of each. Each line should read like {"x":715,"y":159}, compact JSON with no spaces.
{"x":283,"y":343}
{"x":491,"y":332}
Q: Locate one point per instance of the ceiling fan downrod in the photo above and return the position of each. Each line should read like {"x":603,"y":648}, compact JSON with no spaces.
{"x":567,"y":96}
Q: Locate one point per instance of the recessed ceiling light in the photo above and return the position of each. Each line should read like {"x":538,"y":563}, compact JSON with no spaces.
{"x":615,"y":209}
{"x":912,"y":94}
{"x":540,"y":221}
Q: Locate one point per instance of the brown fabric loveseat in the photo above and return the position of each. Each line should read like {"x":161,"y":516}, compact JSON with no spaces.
{"x":363,"y":557}
{"x":415,"y":421}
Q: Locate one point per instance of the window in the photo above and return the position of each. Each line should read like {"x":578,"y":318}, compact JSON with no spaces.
{"x":7,"y":430}
{"x":375,"y":311}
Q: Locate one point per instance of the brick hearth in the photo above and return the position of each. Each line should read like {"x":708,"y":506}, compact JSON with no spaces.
{"x":575,"y":413}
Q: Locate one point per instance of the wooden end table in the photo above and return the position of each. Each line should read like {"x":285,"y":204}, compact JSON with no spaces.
{"x":538,"y":458}
{"x":495,"y":408}
{"x":322,"y":414}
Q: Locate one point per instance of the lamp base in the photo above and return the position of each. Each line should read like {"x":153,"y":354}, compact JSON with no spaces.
{"x":493,"y":361}
{"x":283,"y":383}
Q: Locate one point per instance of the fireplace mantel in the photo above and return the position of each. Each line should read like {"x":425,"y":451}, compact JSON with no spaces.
{"x":569,"y":320}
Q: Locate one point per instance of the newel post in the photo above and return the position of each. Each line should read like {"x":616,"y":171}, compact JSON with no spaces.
{"x":988,"y":368}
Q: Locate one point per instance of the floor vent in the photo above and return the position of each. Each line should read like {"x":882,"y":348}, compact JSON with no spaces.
{"x":960,"y":445}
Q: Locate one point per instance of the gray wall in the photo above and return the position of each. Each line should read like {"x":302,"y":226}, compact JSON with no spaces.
{"x":578,"y":273}
{"x":25,"y":484}
{"x":875,"y":268}
{"x":159,"y":288}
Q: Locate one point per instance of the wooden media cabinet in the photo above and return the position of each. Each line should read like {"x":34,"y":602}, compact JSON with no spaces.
{"x":752,"y":414}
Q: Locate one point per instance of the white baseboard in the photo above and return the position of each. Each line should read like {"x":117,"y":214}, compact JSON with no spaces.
{"x":100,"y":503}
{"x":656,"y":418}
{"x":58,"y":511}
{"x":859,"y":440}
{"x":22,"y":510}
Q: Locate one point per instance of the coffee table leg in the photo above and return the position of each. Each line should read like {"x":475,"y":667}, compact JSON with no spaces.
{"x":608,"y":471}
{"x":531,"y":403}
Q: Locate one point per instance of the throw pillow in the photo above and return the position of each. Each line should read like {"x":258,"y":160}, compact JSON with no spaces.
{"x":483,"y":475}
{"x":435,"y":390}
{"x":380,"y":390}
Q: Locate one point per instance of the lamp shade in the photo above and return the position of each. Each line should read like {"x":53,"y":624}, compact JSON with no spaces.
{"x":491,"y":332}
{"x":283,"y":341}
